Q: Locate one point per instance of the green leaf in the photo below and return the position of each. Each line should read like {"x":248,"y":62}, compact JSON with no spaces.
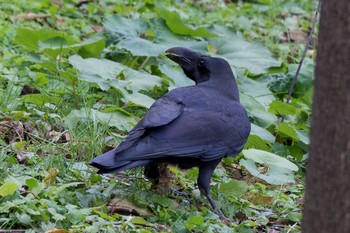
{"x":40,"y":99}
{"x":56,"y":216}
{"x":194,"y":221}
{"x":275,"y":175}
{"x":105,"y":74}
{"x":23,"y":218}
{"x":234,"y":188}
{"x":257,"y":111}
{"x":178,"y":77}
{"x":254,"y":141}
{"x":19,"y":145}
{"x":121,"y":27}
{"x":91,"y":47}
{"x":99,"y":71}
{"x":282,"y":108}
{"x":294,"y":216}
{"x":142,"y":47}
{"x":118,"y":119}
{"x":177,"y":25}
{"x":139,"y":221}
{"x":53,"y":43}
{"x":164,"y":39}
{"x":289,"y":130}
{"x":305,"y":78}
{"x":35,"y":186}
{"x":163,"y":35}
{"x":30,"y":38}
{"x":8,"y":188}
{"x":262,"y":133}
{"x":257,"y":90}
{"x":254,"y":57}
{"x":264,"y":157}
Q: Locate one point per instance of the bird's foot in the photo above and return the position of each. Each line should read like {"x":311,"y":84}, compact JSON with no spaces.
{"x":178,"y":192}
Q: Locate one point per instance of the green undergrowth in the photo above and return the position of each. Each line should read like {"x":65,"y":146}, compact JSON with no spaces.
{"x":76,"y":76}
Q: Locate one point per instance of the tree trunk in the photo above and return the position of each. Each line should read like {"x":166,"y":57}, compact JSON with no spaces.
{"x":327,"y":198}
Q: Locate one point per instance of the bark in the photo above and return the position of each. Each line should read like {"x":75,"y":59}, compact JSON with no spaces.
{"x":327,"y":198}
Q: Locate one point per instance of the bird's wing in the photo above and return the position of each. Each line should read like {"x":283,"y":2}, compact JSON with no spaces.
{"x":204,"y":134}
{"x":162,"y":112}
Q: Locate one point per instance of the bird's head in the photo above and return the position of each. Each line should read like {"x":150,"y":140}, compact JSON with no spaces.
{"x":201,"y":68}
{"x":196,"y":66}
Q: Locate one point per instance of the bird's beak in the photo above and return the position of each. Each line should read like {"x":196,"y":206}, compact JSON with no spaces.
{"x":181,"y":56}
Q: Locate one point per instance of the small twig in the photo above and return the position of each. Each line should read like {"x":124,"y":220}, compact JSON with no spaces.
{"x":308,"y":43}
{"x":18,"y":134}
{"x":292,"y":227}
{"x":144,"y":63}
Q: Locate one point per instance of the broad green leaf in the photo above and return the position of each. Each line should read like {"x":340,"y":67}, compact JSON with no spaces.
{"x":19,"y":145}
{"x":275,"y":175}
{"x":163,"y":35}
{"x":53,"y":43}
{"x":118,"y":119}
{"x":104,"y":215}
{"x":254,"y":141}
{"x":278,"y":83}
{"x":8,"y":188}
{"x":262,"y":133}
{"x":178,"y":77}
{"x":56,"y":216}
{"x":254,"y":57}
{"x":99,"y":71}
{"x":139,"y":220}
{"x":234,"y":188}
{"x":23,"y":218}
{"x":294,"y":216}
{"x":142,"y":47}
{"x":30,"y":38}
{"x":290,"y":131}
{"x":194,"y":221}
{"x":282,"y":108}
{"x":177,"y":25}
{"x":35,"y":186}
{"x":106,"y":74}
{"x":121,"y":27}
{"x":163,"y":40}
{"x":40,"y":99}
{"x":91,"y":47}
{"x":305,"y":77}
{"x":259,"y":91}
{"x":264,"y":157}
{"x":257,"y":111}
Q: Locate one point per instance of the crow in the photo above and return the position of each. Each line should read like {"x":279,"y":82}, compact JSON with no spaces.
{"x":193,"y":126}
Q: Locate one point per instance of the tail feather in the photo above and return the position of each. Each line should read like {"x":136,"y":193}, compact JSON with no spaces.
{"x":107,"y":163}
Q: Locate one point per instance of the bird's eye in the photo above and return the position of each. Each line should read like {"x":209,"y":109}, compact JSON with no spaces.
{"x":201,"y":62}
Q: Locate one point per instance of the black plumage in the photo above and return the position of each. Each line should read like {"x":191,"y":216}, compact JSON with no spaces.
{"x":189,"y":126}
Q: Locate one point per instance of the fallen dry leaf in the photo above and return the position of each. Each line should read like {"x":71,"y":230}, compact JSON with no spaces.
{"x":97,"y":28}
{"x":125,"y":207}
{"x":57,"y":231}
{"x":298,"y":36}
{"x":32,"y":16}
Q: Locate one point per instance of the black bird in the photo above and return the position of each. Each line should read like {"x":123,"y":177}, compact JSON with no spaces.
{"x":189,"y":126}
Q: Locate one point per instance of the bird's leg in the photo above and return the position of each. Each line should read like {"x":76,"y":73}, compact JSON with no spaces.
{"x":160,"y":178}
{"x":206,"y":170}
{"x":151,"y":171}
{"x":165,"y":177}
